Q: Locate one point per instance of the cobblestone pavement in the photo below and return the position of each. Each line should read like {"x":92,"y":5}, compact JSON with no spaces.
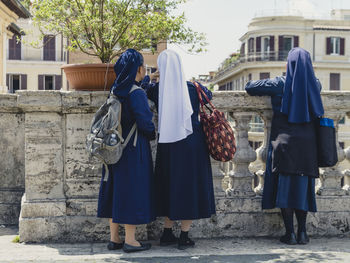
{"x":228,"y":250}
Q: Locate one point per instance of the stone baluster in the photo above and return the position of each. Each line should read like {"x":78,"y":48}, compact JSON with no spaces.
{"x":263,"y":149}
{"x":330,"y":177}
{"x":240,"y":175}
{"x":218,"y":177}
{"x":346,"y":173}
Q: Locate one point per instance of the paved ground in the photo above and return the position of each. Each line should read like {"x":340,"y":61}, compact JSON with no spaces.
{"x":232,"y":250}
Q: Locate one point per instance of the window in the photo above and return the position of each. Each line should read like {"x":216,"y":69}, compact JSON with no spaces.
{"x":49,"y":48}
{"x":335,"y":46}
{"x":49,"y":82}
{"x":15,"y":47}
{"x":264,"y":75}
{"x":334,"y":81}
{"x":250,"y":76}
{"x":285,"y":44}
{"x":251,"y":45}
{"x":342,"y":121}
{"x":16,"y":82}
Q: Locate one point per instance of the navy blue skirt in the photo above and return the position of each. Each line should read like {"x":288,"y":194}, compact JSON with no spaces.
{"x":184,"y":182}
{"x":128,"y":195}
{"x":288,"y":191}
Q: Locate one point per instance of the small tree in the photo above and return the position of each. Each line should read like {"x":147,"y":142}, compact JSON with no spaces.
{"x":106,"y":28}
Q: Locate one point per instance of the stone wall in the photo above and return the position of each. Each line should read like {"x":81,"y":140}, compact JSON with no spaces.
{"x":44,"y":132}
{"x":11,"y":159}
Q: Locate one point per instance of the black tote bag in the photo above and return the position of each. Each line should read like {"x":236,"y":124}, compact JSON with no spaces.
{"x":326,"y":143}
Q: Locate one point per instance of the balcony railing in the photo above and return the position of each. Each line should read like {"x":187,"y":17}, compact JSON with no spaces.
{"x":43,"y":155}
{"x":253,"y":57}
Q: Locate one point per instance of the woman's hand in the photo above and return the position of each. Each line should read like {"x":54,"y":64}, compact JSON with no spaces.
{"x":155,"y":76}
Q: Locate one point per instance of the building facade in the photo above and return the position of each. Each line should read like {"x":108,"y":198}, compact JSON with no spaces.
{"x":265,"y":47}
{"x":266,"y":44}
{"x":10,"y":11}
{"x":35,"y":68}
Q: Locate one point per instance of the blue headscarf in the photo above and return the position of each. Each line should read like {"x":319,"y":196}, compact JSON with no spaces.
{"x":301,"y":95}
{"x":126,"y":69}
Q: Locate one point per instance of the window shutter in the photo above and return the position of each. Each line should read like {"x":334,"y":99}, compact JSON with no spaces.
{"x":280,"y":47}
{"x":251,"y":45}
{"x":18,"y":47}
{"x":49,"y":48}
{"x":264,"y":75}
{"x":53,"y":48}
{"x":12,"y":48}
{"x":23,"y":82}
{"x":242,"y":49}
{"x":342,"y":46}
{"x":328,"y":46}
{"x":41,"y":82}
{"x":272,"y":43}
{"x":334,"y":81}
{"x":8,"y":81}
{"x":258,"y":44}
{"x":296,"y":41}
{"x":58,"y":82}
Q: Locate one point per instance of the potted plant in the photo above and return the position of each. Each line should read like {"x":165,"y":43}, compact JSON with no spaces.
{"x":106,"y":28}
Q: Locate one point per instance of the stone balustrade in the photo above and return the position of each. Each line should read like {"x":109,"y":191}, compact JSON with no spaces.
{"x":44,"y":162}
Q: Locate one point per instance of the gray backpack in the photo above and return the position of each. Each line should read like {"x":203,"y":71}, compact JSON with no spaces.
{"x":105,"y":141}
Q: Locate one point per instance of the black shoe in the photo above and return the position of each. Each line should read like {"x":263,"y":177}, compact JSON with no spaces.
{"x":114,"y":246}
{"x":129,"y":248}
{"x":167,"y":240}
{"x":303,"y":239}
{"x":289,"y":239}
{"x":185,"y":243}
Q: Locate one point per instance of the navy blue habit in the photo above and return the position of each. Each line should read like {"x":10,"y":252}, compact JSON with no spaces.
{"x":297,"y":98}
{"x":128,"y":195}
{"x":184,"y":182}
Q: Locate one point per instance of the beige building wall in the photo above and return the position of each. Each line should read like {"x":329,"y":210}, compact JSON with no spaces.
{"x":6,"y":18}
{"x":32,"y":61}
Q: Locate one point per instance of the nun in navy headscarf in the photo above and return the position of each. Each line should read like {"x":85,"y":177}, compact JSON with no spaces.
{"x":127,"y":195}
{"x":291,"y":166}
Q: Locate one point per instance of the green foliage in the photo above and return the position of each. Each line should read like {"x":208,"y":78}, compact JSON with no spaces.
{"x":26,"y":3}
{"x":15,"y":239}
{"x":106,"y":28}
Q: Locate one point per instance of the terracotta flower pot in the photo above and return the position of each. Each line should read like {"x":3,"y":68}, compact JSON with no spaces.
{"x":89,"y":77}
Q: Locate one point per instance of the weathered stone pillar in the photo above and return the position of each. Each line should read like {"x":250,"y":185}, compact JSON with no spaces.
{"x":330,"y":177}
{"x":241,"y":176}
{"x":263,"y":149}
{"x":44,"y":167}
{"x":11,"y":159}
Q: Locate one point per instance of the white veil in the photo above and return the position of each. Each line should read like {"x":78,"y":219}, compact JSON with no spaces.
{"x":175,"y":109}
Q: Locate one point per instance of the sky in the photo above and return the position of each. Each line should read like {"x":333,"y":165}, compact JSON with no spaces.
{"x":225,"y":21}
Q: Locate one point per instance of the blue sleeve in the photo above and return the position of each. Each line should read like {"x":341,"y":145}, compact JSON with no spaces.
{"x":205,"y":89}
{"x":143,"y":115}
{"x":151,"y":89}
{"x":265,"y":87}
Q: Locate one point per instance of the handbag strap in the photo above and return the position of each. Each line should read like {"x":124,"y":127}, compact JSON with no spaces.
{"x":201,"y":93}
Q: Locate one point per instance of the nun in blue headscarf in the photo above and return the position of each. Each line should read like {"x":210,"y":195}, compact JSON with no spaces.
{"x":291,"y":166}
{"x":127,"y":195}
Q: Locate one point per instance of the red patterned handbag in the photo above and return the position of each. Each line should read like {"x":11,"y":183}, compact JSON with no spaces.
{"x":218,"y":132}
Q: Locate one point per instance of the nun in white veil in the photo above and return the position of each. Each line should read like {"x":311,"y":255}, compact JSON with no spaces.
{"x":184,"y":184}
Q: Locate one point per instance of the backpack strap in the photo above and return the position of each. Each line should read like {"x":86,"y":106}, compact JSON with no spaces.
{"x":134,"y":127}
